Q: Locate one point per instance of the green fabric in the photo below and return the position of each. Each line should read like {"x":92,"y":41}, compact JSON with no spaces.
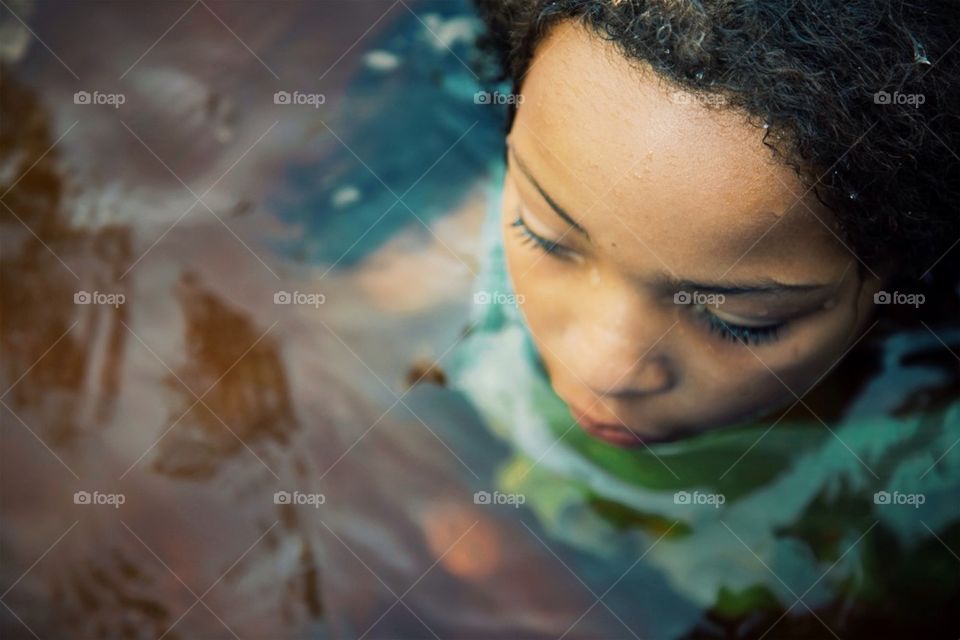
{"x":799,"y":499}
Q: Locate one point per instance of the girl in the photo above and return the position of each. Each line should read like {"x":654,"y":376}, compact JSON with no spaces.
{"x":719,"y":315}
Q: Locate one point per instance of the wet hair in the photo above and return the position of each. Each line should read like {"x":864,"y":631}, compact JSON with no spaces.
{"x":860,"y":98}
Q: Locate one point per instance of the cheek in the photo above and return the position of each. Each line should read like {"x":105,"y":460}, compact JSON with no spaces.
{"x":721,"y":374}
{"x":541,"y":284}
{"x":525,"y":268}
{"x":820,"y":345}
{"x":781,"y":370}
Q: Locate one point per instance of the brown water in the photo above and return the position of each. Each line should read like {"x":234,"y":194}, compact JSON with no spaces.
{"x":198,"y":398}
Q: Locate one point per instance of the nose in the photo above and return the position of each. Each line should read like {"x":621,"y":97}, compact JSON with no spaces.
{"x":621,"y":349}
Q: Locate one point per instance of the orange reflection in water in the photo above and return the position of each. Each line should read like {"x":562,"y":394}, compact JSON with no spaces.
{"x":466,"y":541}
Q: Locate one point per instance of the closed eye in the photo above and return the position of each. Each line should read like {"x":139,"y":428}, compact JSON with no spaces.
{"x":529,"y":236}
{"x":743,"y":334}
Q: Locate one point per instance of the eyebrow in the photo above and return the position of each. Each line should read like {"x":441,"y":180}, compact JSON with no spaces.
{"x":768,"y":287}
{"x":536,"y":185}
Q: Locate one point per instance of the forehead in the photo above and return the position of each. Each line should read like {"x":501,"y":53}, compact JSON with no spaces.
{"x":631,"y":158}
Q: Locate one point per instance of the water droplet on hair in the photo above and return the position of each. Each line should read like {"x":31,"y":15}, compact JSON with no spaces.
{"x":699,"y":74}
{"x":766,"y":125}
{"x":920,"y":53}
{"x":853,"y":195}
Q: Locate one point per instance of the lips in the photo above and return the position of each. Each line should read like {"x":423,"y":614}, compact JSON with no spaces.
{"x":612,"y":433}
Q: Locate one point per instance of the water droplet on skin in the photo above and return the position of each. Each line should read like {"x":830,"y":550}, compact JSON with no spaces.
{"x":595,"y":276}
{"x":920,"y":53}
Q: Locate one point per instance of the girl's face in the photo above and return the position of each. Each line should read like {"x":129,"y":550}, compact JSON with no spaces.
{"x":674,"y":276}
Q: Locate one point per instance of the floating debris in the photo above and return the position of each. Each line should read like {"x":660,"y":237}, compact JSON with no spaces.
{"x":920,"y":53}
{"x":381,"y":60}
{"x":345,"y":196}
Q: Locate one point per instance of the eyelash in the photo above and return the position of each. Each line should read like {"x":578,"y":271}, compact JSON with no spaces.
{"x":743,"y":334}
{"x":724,"y":330}
{"x":529,"y":237}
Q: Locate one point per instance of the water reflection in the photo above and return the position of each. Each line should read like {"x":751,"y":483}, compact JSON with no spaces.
{"x":82,"y":352}
{"x":231,"y":392}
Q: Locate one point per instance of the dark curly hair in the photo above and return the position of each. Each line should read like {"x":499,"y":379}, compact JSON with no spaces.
{"x":860,"y":98}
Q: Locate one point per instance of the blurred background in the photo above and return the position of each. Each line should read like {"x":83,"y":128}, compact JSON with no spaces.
{"x":235,"y":235}
{"x":188,"y":162}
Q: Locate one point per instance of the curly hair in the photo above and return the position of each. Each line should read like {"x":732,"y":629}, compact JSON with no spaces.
{"x":860,"y":98}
